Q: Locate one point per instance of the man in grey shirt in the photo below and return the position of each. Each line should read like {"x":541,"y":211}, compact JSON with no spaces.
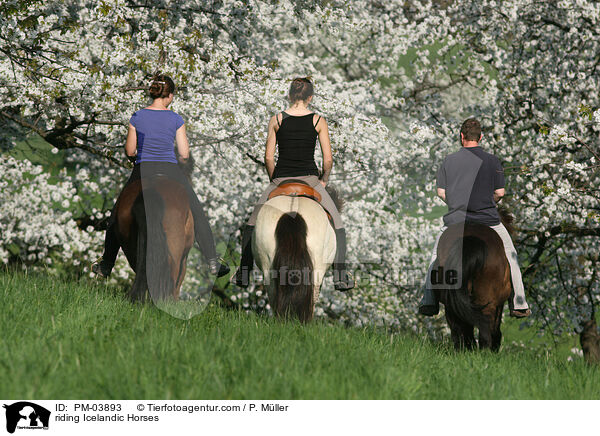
{"x":471,"y":181}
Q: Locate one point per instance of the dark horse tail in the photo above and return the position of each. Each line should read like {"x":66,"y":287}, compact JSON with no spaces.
{"x":152,"y":253}
{"x":467,"y":254}
{"x":292,"y":269}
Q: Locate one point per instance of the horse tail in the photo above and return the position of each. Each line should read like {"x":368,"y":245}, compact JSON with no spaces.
{"x":467,"y":254}
{"x":152,"y":257}
{"x":293,"y":288}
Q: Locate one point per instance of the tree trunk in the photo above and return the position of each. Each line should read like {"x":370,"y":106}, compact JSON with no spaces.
{"x":590,"y":342}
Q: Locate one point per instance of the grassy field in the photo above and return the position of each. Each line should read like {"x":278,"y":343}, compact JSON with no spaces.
{"x":75,"y":340}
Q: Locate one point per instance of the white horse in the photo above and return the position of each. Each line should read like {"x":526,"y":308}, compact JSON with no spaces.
{"x":293,"y":245}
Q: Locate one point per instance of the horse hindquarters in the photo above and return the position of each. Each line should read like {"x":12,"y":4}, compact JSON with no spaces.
{"x":293,"y":269}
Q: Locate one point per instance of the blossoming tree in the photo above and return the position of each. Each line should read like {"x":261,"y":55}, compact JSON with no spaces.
{"x":394,"y":80}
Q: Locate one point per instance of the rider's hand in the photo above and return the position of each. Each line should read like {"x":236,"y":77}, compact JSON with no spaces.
{"x":323,"y":183}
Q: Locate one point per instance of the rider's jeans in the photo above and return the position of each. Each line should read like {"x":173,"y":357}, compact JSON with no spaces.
{"x":519,"y":301}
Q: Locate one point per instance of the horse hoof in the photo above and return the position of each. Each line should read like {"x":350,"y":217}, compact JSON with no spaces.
{"x":100,"y":269}
{"x":343,"y":287}
{"x":429,"y":309}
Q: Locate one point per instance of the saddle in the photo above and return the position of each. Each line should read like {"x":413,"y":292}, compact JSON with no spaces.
{"x":298,"y":189}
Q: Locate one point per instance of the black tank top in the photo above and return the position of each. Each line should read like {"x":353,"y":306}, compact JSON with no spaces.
{"x":296,"y":139}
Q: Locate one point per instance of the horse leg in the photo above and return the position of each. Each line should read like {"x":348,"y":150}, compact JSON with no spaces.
{"x":140,"y":285}
{"x":485,"y":331}
{"x":186,"y":245}
{"x":182,"y":269}
{"x":460,"y":331}
{"x":469,"y":336}
{"x":485,"y":336}
{"x":176,"y":263}
{"x":496,"y":333}
{"x":455,"y":332}
{"x":138,"y":290}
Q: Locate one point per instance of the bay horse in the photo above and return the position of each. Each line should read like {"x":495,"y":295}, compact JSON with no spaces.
{"x":477,"y":252}
{"x":155,"y":228}
{"x":294,"y":243}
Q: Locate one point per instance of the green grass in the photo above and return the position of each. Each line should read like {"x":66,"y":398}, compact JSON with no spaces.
{"x":67,"y":339}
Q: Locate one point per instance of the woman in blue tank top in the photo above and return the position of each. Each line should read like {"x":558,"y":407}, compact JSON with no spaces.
{"x":295,"y":131}
{"x":152,"y":132}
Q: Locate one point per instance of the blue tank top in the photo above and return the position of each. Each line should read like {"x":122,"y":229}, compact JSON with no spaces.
{"x":155,"y":131}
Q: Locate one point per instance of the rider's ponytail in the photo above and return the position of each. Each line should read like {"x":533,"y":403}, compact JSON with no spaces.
{"x":161,"y":86}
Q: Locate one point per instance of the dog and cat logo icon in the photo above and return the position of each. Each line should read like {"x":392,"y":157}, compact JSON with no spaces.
{"x":26,"y":415}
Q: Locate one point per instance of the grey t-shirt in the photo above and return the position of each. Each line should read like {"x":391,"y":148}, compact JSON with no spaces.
{"x":470,"y":176}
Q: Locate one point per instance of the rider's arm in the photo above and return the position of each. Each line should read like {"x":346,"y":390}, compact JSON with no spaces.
{"x":323,"y":132}
{"x":131,"y":142}
{"x":270,"y":147}
{"x":498,"y":194}
{"x":499,"y":182}
{"x":183,"y":146}
{"x":441,"y":193}
{"x":441,"y":182}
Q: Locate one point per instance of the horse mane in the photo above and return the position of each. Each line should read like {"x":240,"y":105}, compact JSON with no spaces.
{"x":507,"y":219}
{"x":335,"y":196}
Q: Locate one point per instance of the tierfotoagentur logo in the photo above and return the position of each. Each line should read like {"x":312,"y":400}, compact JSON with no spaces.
{"x":26,"y":415}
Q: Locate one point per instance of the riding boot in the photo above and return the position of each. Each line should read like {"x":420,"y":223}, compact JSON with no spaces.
{"x":217,"y":268}
{"x":242,"y":275}
{"x":429,"y":304}
{"x":342,"y":279}
{"x":103,"y":266}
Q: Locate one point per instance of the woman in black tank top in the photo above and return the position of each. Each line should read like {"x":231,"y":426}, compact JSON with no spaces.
{"x":296,"y":138}
{"x":295,"y":131}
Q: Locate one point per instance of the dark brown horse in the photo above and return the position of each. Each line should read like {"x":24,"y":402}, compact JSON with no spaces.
{"x":155,"y":228}
{"x":478,"y":300}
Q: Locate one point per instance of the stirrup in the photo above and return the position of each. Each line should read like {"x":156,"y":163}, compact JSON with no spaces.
{"x":344,"y":285}
{"x":239,"y":279}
